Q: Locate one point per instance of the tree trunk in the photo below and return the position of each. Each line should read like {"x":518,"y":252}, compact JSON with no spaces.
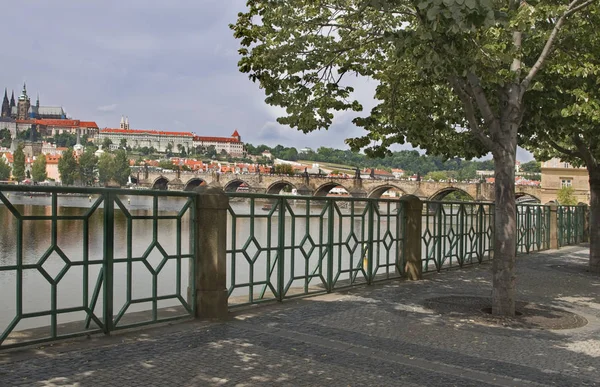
{"x":505,"y":227}
{"x":594,"y":223}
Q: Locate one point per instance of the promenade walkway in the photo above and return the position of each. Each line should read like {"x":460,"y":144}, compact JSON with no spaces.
{"x":368,"y":336}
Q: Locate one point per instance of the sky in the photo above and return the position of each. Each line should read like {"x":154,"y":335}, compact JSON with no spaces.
{"x":167,"y":65}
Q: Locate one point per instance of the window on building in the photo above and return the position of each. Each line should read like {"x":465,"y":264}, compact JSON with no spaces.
{"x":566,"y":182}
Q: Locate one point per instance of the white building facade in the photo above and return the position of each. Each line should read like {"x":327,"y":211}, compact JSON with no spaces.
{"x":159,"y":140}
{"x":232,"y":145}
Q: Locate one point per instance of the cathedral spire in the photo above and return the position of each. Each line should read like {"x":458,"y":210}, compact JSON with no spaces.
{"x":5,"y":105}
{"x":37,"y":102}
{"x":12,"y":99}
{"x":24,"y":92}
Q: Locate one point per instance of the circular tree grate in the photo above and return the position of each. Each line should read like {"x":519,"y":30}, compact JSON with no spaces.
{"x":528,"y":315}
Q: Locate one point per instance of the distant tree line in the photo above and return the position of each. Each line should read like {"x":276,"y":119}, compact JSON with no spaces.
{"x":410,"y":161}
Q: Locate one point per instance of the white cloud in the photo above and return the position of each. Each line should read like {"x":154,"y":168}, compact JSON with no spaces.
{"x":107,"y":108}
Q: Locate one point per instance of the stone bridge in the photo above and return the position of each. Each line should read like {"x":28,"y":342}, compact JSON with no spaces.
{"x":321,"y":185}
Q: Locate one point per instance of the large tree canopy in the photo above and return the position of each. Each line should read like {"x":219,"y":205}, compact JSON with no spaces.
{"x":563,"y":112}
{"x":452,"y":77}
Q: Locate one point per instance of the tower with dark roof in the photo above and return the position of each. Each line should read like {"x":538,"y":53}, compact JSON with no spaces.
{"x":12,"y":100}
{"x":23,"y":105}
{"x":5,"y":105}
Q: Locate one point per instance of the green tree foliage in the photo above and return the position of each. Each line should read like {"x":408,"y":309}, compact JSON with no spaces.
{"x":106,"y":168}
{"x":166,"y":164}
{"x":411,"y":161}
{"x":38,"y":169}
{"x":19,"y":164}
{"x":532,"y":167}
{"x":211,"y":151}
{"x":65,"y":139}
{"x":68,"y":168}
{"x":106,"y":143}
{"x":284,"y":169}
{"x":88,"y":163}
{"x":5,"y":138}
{"x":30,"y":133}
{"x":122,"y":169}
{"x":566,"y":196}
{"x":452,"y":78}
{"x":123,"y":143}
{"x":437,"y":176}
{"x":564,"y":112}
{"x":4,"y":170}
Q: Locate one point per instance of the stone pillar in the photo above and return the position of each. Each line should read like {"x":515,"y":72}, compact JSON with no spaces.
{"x":553,"y":225}
{"x":210,"y":275}
{"x":413,"y":215}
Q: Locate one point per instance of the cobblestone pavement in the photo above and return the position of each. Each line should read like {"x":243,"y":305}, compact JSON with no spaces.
{"x":374,"y":336}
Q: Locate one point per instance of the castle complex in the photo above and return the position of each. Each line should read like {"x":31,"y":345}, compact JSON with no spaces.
{"x":21,"y":115}
{"x":24,"y":110}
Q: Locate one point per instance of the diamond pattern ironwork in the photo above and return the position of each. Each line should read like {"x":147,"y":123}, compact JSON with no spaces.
{"x":388,"y":240}
{"x":53,"y":264}
{"x":351,"y":243}
{"x":153,"y":264}
{"x":251,"y":250}
{"x":307,"y":246}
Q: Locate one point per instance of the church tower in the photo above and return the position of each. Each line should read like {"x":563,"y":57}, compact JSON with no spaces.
{"x":5,"y":105}
{"x":23,"y":105}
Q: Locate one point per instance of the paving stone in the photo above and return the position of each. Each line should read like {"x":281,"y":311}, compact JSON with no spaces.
{"x":367,"y":336}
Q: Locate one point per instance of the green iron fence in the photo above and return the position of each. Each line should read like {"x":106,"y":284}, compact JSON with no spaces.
{"x":571,"y":224}
{"x":285,"y":246}
{"x":124,"y":258}
{"x":456,"y":234}
{"x":92,"y":260}
{"x":533,"y":228}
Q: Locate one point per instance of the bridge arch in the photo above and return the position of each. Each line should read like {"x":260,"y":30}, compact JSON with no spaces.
{"x":524,"y":197}
{"x":378,"y":191}
{"x":444,"y":192}
{"x":233,"y":185}
{"x":324,"y":189}
{"x":194,"y":183}
{"x":276,"y":187}
{"x":160,"y":182}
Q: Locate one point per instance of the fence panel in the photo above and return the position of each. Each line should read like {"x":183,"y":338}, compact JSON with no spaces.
{"x":74,"y":260}
{"x":286,"y":246}
{"x":571,"y":224}
{"x":533,"y":228}
{"x":456,"y":234}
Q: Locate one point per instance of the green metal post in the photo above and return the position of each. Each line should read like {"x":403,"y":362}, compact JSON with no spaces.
{"x":281,"y":251}
{"x":330,"y":236}
{"x":370,"y":233}
{"x":107,"y":265}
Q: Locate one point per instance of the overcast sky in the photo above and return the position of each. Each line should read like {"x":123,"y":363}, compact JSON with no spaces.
{"x":168,"y":65}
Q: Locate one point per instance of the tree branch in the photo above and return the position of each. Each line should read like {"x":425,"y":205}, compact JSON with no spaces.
{"x":587,"y":156}
{"x":470,"y":114}
{"x":574,"y":6}
{"x":481,"y":100}
{"x":563,"y":149}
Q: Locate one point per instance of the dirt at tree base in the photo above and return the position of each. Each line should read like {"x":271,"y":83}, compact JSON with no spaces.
{"x":477,"y":310}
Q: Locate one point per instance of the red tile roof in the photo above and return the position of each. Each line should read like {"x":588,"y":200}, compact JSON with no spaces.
{"x":88,"y":124}
{"x":140,"y":131}
{"x":60,"y":123}
{"x":52,"y":159}
{"x":235,"y":133}
{"x":216,"y":139}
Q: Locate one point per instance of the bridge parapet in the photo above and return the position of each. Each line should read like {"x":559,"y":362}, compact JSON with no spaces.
{"x":320,"y":185}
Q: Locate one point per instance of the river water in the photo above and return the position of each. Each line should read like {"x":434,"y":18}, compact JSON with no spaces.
{"x":249,"y":257}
